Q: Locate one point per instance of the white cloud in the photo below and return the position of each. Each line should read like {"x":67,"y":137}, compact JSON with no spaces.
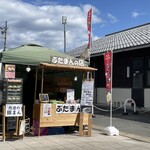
{"x":42,"y":24}
{"x":135,"y":14}
{"x":112,"y":18}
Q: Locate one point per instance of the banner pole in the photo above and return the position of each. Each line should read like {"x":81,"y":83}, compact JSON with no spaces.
{"x":111,"y":87}
{"x":111,"y":130}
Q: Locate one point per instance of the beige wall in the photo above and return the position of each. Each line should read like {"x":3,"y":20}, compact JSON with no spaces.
{"x":119,"y":95}
{"x":147,"y":98}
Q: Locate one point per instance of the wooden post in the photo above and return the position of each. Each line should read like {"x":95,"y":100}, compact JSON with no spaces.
{"x":35,"y":84}
{"x":81,"y":124}
{"x":23,"y":112}
{"x":17,"y":126}
{"x":4,"y":123}
{"x":39,"y":120}
{"x":42,"y":81}
{"x":23,"y":118}
{"x":83,"y":78}
{"x":91,"y":76}
{"x":89,"y":124}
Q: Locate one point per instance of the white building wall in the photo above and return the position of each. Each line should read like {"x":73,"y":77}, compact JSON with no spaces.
{"x":147,"y":98}
{"x":101,"y":96}
{"x":119,"y":95}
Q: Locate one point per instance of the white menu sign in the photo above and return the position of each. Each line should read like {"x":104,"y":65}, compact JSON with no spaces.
{"x":13,"y":110}
{"x":87,"y":93}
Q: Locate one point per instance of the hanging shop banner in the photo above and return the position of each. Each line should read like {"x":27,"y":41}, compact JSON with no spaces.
{"x":67,"y":108}
{"x":13,"y":110}
{"x":9,"y":71}
{"x":107,"y":65}
{"x":87,"y":93}
{"x":46,"y":110}
{"x":66,"y":61}
{"x":89,"y":20}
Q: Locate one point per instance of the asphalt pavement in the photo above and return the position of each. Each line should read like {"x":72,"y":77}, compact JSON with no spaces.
{"x":136,"y":126}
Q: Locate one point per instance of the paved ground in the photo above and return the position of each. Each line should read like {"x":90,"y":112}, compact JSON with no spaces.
{"x":98,"y":141}
{"x":134,"y":135}
{"x":131,"y":125}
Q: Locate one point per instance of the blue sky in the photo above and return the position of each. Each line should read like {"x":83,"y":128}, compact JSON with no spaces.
{"x":39,"y":21}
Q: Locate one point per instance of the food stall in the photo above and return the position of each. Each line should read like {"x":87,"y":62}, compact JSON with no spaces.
{"x":56,"y":86}
{"x":46,"y":114}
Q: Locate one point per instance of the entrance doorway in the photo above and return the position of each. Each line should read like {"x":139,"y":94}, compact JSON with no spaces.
{"x":137,"y":84}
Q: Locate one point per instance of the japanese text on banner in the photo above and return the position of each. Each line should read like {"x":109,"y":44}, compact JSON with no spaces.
{"x":107,"y":64}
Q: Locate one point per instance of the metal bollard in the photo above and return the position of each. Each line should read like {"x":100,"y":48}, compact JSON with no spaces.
{"x":129,"y":100}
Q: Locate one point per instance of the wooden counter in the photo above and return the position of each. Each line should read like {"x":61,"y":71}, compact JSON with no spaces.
{"x":61,"y":119}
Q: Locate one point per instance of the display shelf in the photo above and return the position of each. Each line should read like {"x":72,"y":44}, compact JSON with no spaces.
{"x":12,"y":91}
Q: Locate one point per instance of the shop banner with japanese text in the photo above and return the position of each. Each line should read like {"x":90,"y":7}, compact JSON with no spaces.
{"x":108,"y":67}
{"x":86,"y":53}
{"x":67,"y":108}
{"x":89,"y":20}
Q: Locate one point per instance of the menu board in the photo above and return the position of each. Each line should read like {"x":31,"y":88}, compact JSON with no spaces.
{"x":87,"y":93}
{"x":87,"y":96}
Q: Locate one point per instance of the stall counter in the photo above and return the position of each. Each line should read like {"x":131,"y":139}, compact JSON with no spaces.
{"x":45,"y":115}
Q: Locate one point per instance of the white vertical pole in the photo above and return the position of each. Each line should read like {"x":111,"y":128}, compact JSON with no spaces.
{"x":89,"y":51}
{"x":111,"y":88}
{"x":111,"y":130}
